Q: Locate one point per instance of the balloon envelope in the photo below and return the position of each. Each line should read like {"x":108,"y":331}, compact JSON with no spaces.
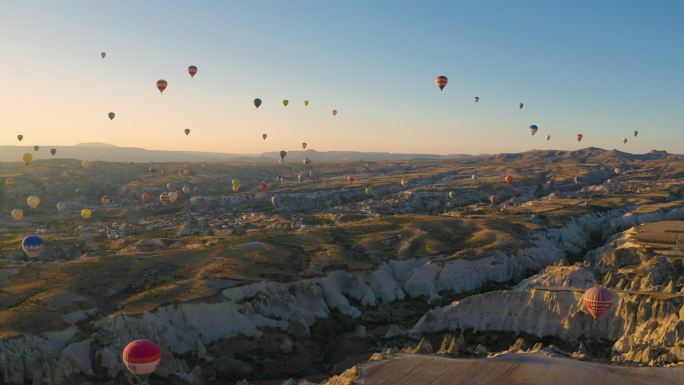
{"x":369,"y":191}
{"x":533,"y":129}
{"x":597,"y":301}
{"x":17,"y":214}
{"x":257,"y":102}
{"x":53,"y":151}
{"x":192,"y":70}
{"x":494,"y":199}
{"x":36,"y":148}
{"x":441,"y":82}
{"x":9,"y":182}
{"x":548,"y":137}
{"x":350,"y":179}
{"x":27,"y":158}
{"x":306,"y":103}
{"x":187,"y":131}
{"x":103,"y":54}
{"x":304,"y":145}
{"x":285,"y":102}
{"x":264,"y":136}
{"x":86,"y":213}
{"x":20,"y":137}
{"x":33,"y":201}
{"x":146,"y":197}
{"x":86,"y":164}
{"x":579,"y":137}
{"x":32,"y":245}
{"x":106,"y":200}
{"x":164,"y":198}
{"x":508,"y":179}
{"x":111,"y":116}
{"x":61,"y":206}
{"x":161,"y":85}
{"x":141,"y":357}
{"x":263,"y":186}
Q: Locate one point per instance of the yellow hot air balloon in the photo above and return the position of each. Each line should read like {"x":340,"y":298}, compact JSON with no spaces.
{"x":173,"y":196}
{"x":9,"y":182}
{"x":27,"y":157}
{"x":86,"y":213}
{"x":33,"y":201}
{"x":87,"y":164}
{"x":17,"y":214}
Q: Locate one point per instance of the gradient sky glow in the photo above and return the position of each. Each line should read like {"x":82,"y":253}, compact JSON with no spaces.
{"x":603,"y":68}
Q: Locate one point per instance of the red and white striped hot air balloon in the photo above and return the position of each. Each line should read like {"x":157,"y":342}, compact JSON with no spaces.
{"x":441,"y":82}
{"x":141,"y":358}
{"x":597,"y":301}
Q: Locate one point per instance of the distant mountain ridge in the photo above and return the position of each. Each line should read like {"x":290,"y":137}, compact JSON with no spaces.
{"x":112,"y":153}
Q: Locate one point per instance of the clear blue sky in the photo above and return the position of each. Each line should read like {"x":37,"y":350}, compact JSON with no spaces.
{"x":603,"y":68}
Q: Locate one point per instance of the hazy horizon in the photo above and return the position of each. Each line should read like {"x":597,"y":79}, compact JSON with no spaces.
{"x":603,"y":69}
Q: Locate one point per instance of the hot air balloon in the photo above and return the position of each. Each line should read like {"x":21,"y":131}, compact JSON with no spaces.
{"x":33,"y":201}
{"x":146,"y":197}
{"x":172,"y":186}
{"x":236,"y":183}
{"x":61,"y":206}
{"x":579,"y":137}
{"x":20,"y":137}
{"x":9,"y":182}
{"x":533,"y":129}
{"x":624,"y":140}
{"x":494,"y":199}
{"x":477,"y":99}
{"x":36,"y":148}
{"x":164,"y":198}
{"x":597,"y":301}
{"x":152,"y":170}
{"x":334,"y":112}
{"x":86,"y":164}
{"x":306,"y":103}
{"x":275,"y":200}
{"x":520,"y":106}
{"x":285,"y":102}
{"x":264,"y":136}
{"x":106,"y":200}
{"x":86,"y":213}
{"x":475,"y":176}
{"x":548,"y":137}
{"x":27,"y":157}
{"x":306,"y":161}
{"x":304,"y":145}
{"x":53,"y":151}
{"x":187,"y":189}
{"x":636,"y":133}
{"x":187,"y":131}
{"x":617,"y":170}
{"x":369,"y":191}
{"x":17,"y":214}
{"x":577,"y":179}
{"x":451,"y":195}
{"x":441,"y":82}
{"x":257,"y":102}
{"x":141,"y":358}
{"x":173,"y":196}
{"x":103,"y":54}
{"x":192,"y":70}
{"x":32,"y":245}
{"x":111,"y":115}
{"x":350,"y":179}
{"x":161,"y":85}
{"x":263,"y":186}
{"x":508,"y":179}
{"x":404,"y":182}
{"x":279,"y":179}
{"x":283,"y":154}
{"x":300,"y":178}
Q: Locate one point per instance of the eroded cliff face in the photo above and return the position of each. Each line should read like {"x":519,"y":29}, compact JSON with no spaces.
{"x":186,"y":330}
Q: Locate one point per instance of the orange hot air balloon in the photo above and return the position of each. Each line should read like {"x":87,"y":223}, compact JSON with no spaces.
{"x":161,"y":85}
{"x":494,"y":199}
{"x":508,"y":179}
{"x":597,"y":301}
{"x":441,"y":82}
{"x":192,"y":70}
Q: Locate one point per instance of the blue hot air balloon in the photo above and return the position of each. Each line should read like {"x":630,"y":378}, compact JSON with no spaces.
{"x":32,"y":245}
{"x":533,"y":129}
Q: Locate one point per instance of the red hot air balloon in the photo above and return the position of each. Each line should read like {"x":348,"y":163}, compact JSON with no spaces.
{"x":508,"y":179}
{"x":579,"y":137}
{"x":161,"y":85}
{"x":146,"y":197}
{"x":350,"y":179}
{"x":494,"y":199}
{"x":263,"y":186}
{"x":141,"y":358}
{"x":441,"y":82}
{"x":597,"y":301}
{"x":192,"y":70}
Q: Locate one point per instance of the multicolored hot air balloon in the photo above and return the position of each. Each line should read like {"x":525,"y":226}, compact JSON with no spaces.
{"x":304,"y":145}
{"x":579,"y":137}
{"x":283,"y":154}
{"x":350,"y":179}
{"x":285,"y":102}
{"x":111,"y":115}
{"x":53,"y":151}
{"x":164,"y":198}
{"x":27,"y":158}
{"x":187,"y":131}
{"x":533,"y":129}
{"x":9,"y":182}
{"x":32,"y":245}
{"x":161,"y":85}
{"x":17,"y":214}
{"x":146,"y":197}
{"x":334,"y":112}
{"x":441,"y":82}
{"x":264,"y":136}
{"x":86,"y":164}
{"x":33,"y":201}
{"x":141,"y":358}
{"x":192,"y":70}
{"x":257,"y":102}
{"x":106,"y":200}
{"x":86,"y":213}
{"x":494,"y":199}
{"x":597,"y":301}
{"x":508,"y":179}
{"x":20,"y":137}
